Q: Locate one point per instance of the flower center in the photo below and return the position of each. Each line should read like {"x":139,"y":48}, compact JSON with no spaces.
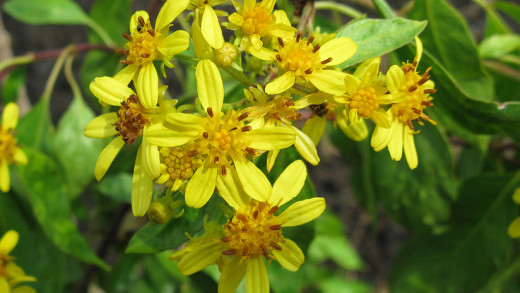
{"x":254,"y":233}
{"x":223,"y":139}
{"x":7,"y":145}
{"x":283,"y":111}
{"x":178,"y":164}
{"x":417,"y":97}
{"x":365,"y":101}
{"x":142,"y":44}
{"x":131,"y":120}
{"x":300,"y":56}
{"x":256,"y":21}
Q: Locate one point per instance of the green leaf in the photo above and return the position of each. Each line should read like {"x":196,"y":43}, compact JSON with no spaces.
{"x":35,"y":129}
{"x":447,"y":30}
{"x":32,"y":245}
{"x":376,"y":37}
{"x":15,"y":80}
{"x":76,"y":153}
{"x":475,"y":245}
{"x":418,"y":198}
{"x":154,"y":238}
{"x":511,"y":9}
{"x":46,"y":192}
{"x":494,"y":22}
{"x":499,"y":45}
{"x":46,"y":12}
{"x":117,"y":187}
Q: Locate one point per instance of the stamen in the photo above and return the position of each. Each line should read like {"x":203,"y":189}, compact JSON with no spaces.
{"x":246,"y":128}
{"x":234,"y":128}
{"x":430,"y":91}
{"x":224,"y":170}
{"x":412,"y":88}
{"x":246,"y":251}
{"x":273,"y":210}
{"x":427,"y":103}
{"x":423,"y":80}
{"x":264,"y":249}
{"x":141,"y":20}
{"x":210,"y":111}
{"x":275,"y":246}
{"x":310,"y":40}
{"x":243,"y":116}
{"x":276,"y":227}
{"x":298,"y":36}
{"x":229,"y":252}
{"x":127,"y":62}
{"x":151,"y":32}
{"x":205,"y":135}
{"x":255,"y":214}
{"x":416,"y":111}
{"x":126,"y":36}
{"x":425,"y":117}
{"x":318,"y":46}
{"x":241,"y":217}
{"x":122,"y":51}
{"x":280,"y":41}
{"x":419,"y":121}
{"x":279,"y":58}
{"x":250,"y":150}
{"x":215,"y":161}
{"x":225,"y":239}
{"x":327,"y":60}
{"x":191,"y":153}
{"x":409,"y":122}
{"x":145,"y":55}
{"x":308,"y":71}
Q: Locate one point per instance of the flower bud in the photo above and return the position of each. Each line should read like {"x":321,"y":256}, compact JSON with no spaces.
{"x":159,"y":212}
{"x":226,"y":55}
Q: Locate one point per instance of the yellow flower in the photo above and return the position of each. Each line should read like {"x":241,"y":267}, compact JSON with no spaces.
{"x":255,"y":232}
{"x":10,"y":151}
{"x":12,"y":275}
{"x":514,"y":228}
{"x":220,"y":140}
{"x":208,"y":22}
{"x":130,"y":122}
{"x":254,"y":23}
{"x":279,"y":111}
{"x":146,"y":44}
{"x":416,"y":89}
{"x":300,"y":60}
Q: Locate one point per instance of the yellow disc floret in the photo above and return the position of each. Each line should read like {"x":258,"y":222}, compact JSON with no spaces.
{"x":256,"y":21}
{"x":142,"y":44}
{"x":299,"y":56}
{"x":178,"y":164}
{"x":365,"y":101}
{"x":253,"y":233}
{"x":7,"y":145}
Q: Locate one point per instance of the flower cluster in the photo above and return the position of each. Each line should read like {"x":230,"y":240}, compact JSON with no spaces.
{"x":10,"y":151}
{"x":11,"y":275}
{"x":209,"y":147}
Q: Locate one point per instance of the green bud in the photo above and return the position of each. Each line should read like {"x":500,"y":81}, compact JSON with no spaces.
{"x":226,"y":55}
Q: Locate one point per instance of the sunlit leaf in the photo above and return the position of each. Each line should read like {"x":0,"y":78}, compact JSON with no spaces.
{"x":46,"y":12}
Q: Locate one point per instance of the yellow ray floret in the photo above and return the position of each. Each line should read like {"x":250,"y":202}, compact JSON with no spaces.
{"x":11,"y":275}
{"x":10,"y":151}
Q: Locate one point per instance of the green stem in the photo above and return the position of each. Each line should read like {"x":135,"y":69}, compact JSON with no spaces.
{"x":238,"y":76}
{"x":341,"y":8}
{"x":49,"y":86}
{"x":186,"y":58}
{"x":101,"y":32}
{"x":70,"y":78}
{"x":13,"y":62}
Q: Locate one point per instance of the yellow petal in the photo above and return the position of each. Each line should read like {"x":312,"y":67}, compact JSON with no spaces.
{"x":516,"y":196}
{"x":173,"y":44}
{"x":314,"y":128}
{"x":142,"y":187}
{"x":370,"y":75}
{"x":255,"y":184}
{"x":159,"y":135}
{"x":236,"y":19}
{"x":381,"y":118}
{"x":23,"y":289}
{"x":200,"y":257}
{"x":233,"y":273}
{"x":329,"y":81}
{"x":19,"y":156}
{"x":102,"y":126}
{"x":357,"y":131}
{"x":281,"y":30}
{"x":290,"y":257}
{"x":201,"y":186}
{"x":4,"y":285}
{"x":10,"y":116}
{"x":312,"y":99}
{"x":340,"y":49}
{"x":280,"y":84}
{"x":134,"y":20}
{"x":107,"y":156}
{"x":110,"y":91}
{"x":391,"y":98}
{"x":147,"y":85}
{"x":211,"y":29}
{"x":351,"y":84}
{"x":268,"y":5}
{"x":188,"y":124}
{"x":394,"y":78}
{"x":514,"y":229}
{"x":257,"y":280}
{"x":363,"y":67}
{"x":5,"y":181}
{"x":150,"y":158}
{"x":302,"y":212}
{"x":170,"y":10}
{"x":271,"y":138}
{"x":281,"y":17}
{"x":306,"y":147}
{"x":8,"y":241}
{"x":231,"y":190}
{"x":127,"y":74}
{"x":381,"y":136}
{"x":255,"y":41}
{"x":419,"y":48}
{"x":209,"y":85}
{"x":395,"y":145}
{"x":271,"y":158}
{"x":202,"y":49}
{"x":262,"y":54}
{"x":249,"y":5}
{"x":289,"y":184}
{"x":409,"y":148}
